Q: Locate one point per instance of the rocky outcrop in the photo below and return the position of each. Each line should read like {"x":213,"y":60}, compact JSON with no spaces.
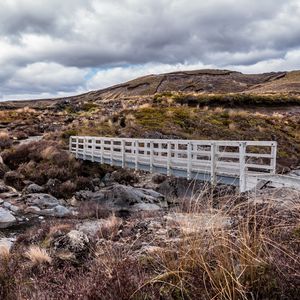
{"x":41,"y":200}
{"x":45,"y":205}
{"x":119,"y":197}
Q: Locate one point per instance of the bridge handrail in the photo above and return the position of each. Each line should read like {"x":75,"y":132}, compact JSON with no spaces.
{"x":230,"y":157}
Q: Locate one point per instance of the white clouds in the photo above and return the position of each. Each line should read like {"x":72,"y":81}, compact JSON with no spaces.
{"x":43,"y":78}
{"x":151,"y":36}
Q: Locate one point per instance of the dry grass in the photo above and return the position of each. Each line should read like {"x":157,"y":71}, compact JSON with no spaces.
{"x":232,"y":126}
{"x":228,"y":262}
{"x":49,"y":153}
{"x":38,"y":256}
{"x":4,"y":253}
{"x":110,"y":227}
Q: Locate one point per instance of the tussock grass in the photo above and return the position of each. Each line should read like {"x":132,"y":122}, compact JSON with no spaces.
{"x":233,"y":260}
{"x":38,"y":256}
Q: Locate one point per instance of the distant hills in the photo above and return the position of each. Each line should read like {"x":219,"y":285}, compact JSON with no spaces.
{"x":199,"y":81}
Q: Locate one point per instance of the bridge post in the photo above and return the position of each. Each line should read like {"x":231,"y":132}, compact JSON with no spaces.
{"x":273,"y":159}
{"x":136,"y":154}
{"x":169,"y":158}
{"x":93,"y":149}
{"x":84,"y":149}
{"x":111,"y":152}
{"x":242,"y":158}
{"x":213,"y":163}
{"x":189,"y":160}
{"x":151,"y":156}
{"x":123,"y":153}
{"x":102,"y":151}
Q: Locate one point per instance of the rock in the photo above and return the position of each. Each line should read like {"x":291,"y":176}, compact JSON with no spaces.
{"x":32,"y":210}
{"x":14,"y":179}
{"x":128,"y":198}
{"x":3,"y":188}
{"x":146,"y":207}
{"x":97,"y":182}
{"x":90,"y":228}
{"x":6,"y":243}
{"x":295,"y":173}
{"x":57,"y":211}
{"x":89,"y":196}
{"x":107,"y":179}
{"x":73,"y":245}
{"x":14,"y":208}
{"x":41,"y":200}
{"x":33,"y":188}
{"x":6,"y":218}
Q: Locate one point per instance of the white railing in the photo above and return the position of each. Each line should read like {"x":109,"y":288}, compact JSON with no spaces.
{"x":208,"y":160}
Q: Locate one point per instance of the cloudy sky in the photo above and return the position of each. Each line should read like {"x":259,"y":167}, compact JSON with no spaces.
{"x":51,"y":48}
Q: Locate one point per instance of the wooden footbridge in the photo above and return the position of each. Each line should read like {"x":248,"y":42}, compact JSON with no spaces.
{"x":239,"y":163}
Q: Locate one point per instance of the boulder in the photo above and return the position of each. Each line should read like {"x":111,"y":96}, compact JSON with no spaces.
{"x":118,"y":197}
{"x":74,"y":245}
{"x":57,"y":211}
{"x":6,"y":218}
{"x":33,"y":189}
{"x":89,"y":196}
{"x":43,"y":201}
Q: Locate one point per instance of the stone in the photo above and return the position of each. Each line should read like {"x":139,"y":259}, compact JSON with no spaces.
{"x":146,"y":207}
{"x":3,"y":188}
{"x":33,"y":188}
{"x":73,"y":245}
{"x":90,"y":228}
{"x":14,"y":208}
{"x":89,"y":196}
{"x":57,"y":211}
{"x":295,"y":173}
{"x":41,"y":200}
{"x":128,"y":198}
{"x":32,"y":210}
{"x":6,"y":218}
{"x":7,"y":243}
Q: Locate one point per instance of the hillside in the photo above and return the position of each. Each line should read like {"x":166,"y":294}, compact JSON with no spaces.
{"x":203,"y":82}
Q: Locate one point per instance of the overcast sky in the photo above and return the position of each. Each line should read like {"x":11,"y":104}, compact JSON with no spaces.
{"x":63,"y":47}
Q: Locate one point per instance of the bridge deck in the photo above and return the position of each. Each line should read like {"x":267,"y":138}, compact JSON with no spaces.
{"x":230,"y":162}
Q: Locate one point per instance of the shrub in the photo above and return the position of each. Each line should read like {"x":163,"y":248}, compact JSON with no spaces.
{"x":5,"y":140}
{"x":14,"y":179}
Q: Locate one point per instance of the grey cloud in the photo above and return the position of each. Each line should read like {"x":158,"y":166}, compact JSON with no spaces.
{"x":106,"y":33}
